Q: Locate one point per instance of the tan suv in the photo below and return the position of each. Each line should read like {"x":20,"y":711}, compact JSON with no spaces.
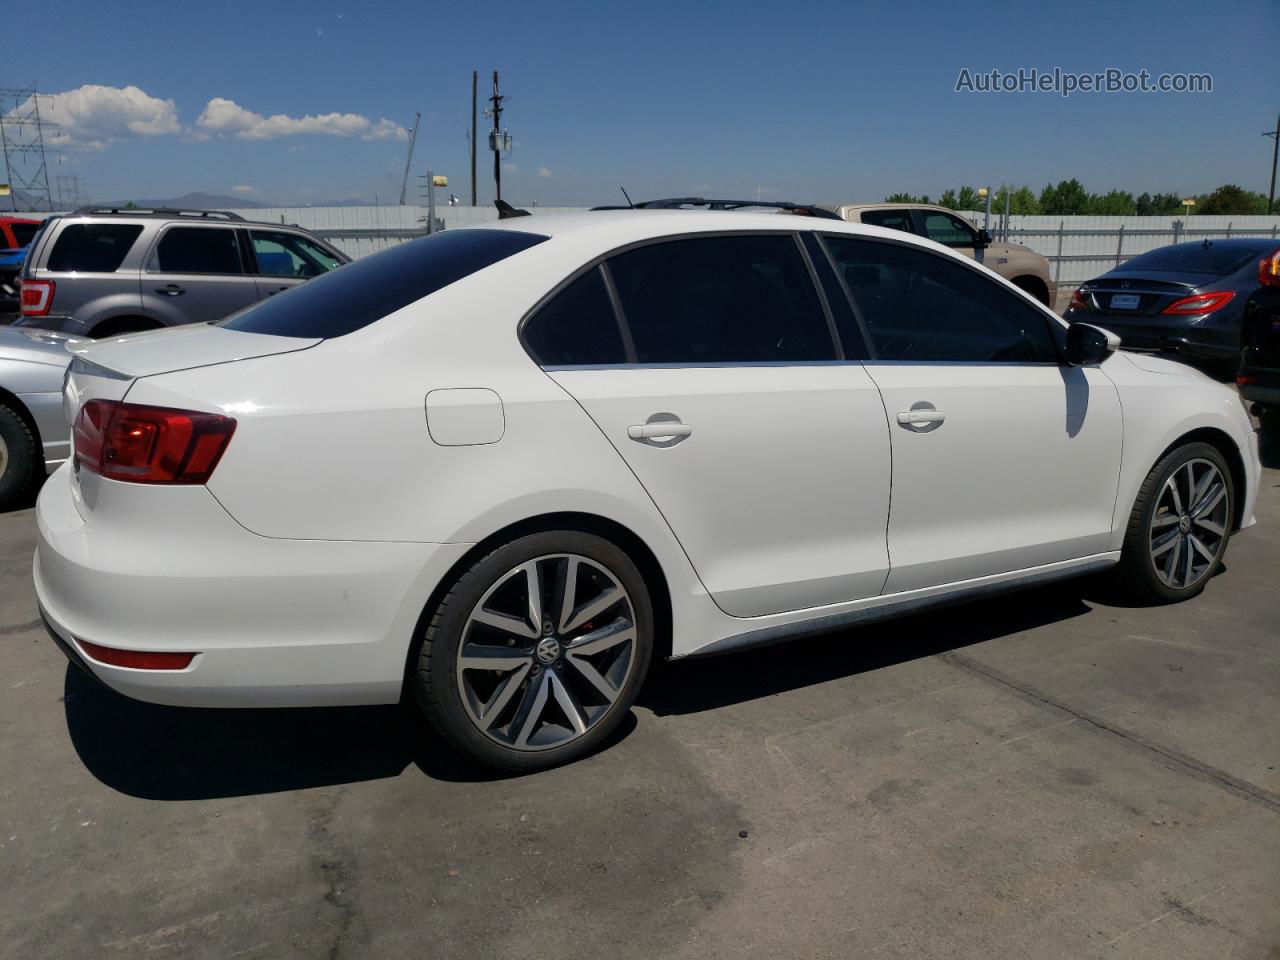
{"x":1019,"y":265}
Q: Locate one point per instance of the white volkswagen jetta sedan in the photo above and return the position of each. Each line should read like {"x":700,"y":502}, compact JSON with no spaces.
{"x":502,"y":468}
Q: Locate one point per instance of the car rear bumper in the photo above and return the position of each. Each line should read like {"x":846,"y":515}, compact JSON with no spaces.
{"x":272,"y":622}
{"x":1204,"y":343}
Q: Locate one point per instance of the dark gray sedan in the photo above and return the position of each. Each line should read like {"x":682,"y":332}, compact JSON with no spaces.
{"x":1187,"y":299}
{"x":34,"y":436}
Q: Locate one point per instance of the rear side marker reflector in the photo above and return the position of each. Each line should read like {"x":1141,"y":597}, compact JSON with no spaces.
{"x":136,"y":659}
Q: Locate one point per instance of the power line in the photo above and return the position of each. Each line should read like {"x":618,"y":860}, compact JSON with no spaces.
{"x":22,"y":139}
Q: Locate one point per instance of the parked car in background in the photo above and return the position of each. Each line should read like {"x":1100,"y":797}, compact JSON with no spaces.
{"x":1021,"y":266}
{"x":1186,"y":299}
{"x":34,"y":433}
{"x":15,"y":234}
{"x":1259,"y":374}
{"x":101,"y":272}
{"x":614,"y":435}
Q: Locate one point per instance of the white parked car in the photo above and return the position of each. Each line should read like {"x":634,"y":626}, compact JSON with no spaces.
{"x":502,"y":468}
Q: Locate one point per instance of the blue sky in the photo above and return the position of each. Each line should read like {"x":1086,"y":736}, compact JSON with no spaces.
{"x":806,"y":101}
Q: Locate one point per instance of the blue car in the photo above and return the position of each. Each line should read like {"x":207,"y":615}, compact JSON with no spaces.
{"x":1187,"y":299}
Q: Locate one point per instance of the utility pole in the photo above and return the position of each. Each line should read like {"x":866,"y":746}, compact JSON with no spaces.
{"x":495,"y":138}
{"x":474,"y":79}
{"x":413,"y":138}
{"x":1275,"y":154}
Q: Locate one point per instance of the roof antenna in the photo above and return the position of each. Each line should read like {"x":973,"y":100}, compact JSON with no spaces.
{"x":628,"y":196}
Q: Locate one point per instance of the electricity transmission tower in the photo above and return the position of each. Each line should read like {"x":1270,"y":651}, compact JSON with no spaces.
{"x":22,"y":138}
{"x":71,"y":194}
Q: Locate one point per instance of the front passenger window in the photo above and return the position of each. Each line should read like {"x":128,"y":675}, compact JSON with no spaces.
{"x":921,"y":306}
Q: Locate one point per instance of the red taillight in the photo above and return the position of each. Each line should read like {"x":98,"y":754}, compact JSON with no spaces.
{"x":1245,"y":380}
{"x":137,"y":659}
{"x":1269,"y":270}
{"x":1200,"y":303}
{"x":36,"y":297}
{"x":1079,"y":301}
{"x":128,"y":441}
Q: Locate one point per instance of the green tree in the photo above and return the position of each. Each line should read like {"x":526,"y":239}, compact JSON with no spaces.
{"x":1064,"y":199}
{"x":1024,"y":201}
{"x":1230,"y":198}
{"x":967,"y":199}
{"x":900,"y":198}
{"x":948,"y":199}
{"x":1117,"y":203}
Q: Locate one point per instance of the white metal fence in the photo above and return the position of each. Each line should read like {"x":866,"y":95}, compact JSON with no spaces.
{"x":1078,"y":247}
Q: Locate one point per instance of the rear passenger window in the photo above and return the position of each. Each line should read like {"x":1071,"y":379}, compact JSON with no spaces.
{"x":890,"y":219}
{"x":577,"y":326}
{"x":198,"y":250}
{"x":92,"y":247}
{"x":920,"y":306}
{"x":744,"y":299}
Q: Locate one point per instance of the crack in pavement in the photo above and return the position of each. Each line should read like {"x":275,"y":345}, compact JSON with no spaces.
{"x":1166,"y":756}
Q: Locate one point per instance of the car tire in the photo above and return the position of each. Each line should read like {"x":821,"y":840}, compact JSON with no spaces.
{"x":513,"y":695}
{"x":18,"y":458}
{"x":1179,"y":528}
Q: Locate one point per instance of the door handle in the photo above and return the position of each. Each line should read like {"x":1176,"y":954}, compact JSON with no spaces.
{"x":660,"y":430}
{"x":921,"y":418}
{"x":272,"y":293}
{"x":172,"y":290}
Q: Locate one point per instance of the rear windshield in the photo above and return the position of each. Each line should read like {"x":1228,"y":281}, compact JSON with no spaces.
{"x":359,"y":293}
{"x":1218,"y":259}
{"x":92,"y":247}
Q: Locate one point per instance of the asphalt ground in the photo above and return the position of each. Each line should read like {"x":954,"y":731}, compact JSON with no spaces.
{"x":1047,"y":774}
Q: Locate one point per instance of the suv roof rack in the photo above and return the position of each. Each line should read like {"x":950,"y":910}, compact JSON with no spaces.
{"x":159,"y":212}
{"x":677,"y":203}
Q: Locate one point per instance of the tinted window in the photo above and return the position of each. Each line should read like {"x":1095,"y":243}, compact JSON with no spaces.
{"x":577,"y":326}
{"x":922,"y":306}
{"x":368,"y":289}
{"x":198,"y":250}
{"x":1219,"y":259}
{"x":24,"y":232}
{"x":92,"y":247}
{"x":290,"y":255}
{"x":851,"y":339}
{"x":947,"y":230}
{"x":892,"y":219}
{"x":721,"y":300}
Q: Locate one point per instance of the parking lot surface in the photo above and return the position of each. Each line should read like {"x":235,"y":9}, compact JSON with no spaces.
{"x":1039,"y":775}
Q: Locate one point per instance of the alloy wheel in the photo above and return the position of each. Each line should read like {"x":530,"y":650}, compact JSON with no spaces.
{"x":546,"y":652}
{"x":1189,"y":525}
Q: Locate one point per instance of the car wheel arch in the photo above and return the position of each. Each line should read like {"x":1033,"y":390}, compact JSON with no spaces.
{"x":1033,"y":285}
{"x":136,"y":323}
{"x":1221,"y":441}
{"x":14,"y":403}
{"x":613,"y":531}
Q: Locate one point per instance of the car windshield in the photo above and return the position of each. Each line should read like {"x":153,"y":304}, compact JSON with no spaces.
{"x":359,"y":293}
{"x":1218,"y":259}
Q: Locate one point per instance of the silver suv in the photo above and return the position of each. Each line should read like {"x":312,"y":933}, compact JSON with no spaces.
{"x":100,"y":272}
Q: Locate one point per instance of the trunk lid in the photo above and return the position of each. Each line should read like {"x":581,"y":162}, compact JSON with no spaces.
{"x":1137,"y":295}
{"x":106,"y":369}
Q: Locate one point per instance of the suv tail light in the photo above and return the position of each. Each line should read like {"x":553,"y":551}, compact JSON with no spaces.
{"x":1079,"y":301}
{"x":36,"y":297}
{"x":1269,"y":270}
{"x":1200,"y":303}
{"x":140,"y":444}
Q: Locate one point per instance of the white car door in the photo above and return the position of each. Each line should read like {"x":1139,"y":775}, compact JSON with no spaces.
{"x":1003,"y":459}
{"x":723,"y":390}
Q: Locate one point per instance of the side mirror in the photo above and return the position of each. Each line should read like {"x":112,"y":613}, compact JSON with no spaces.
{"x":984,"y":239}
{"x":1088,"y":345}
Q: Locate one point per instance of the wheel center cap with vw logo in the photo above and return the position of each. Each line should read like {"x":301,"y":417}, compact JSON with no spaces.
{"x":1184,"y":524}
{"x":547,"y":650}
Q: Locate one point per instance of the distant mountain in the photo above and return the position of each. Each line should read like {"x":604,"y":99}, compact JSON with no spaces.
{"x":203,"y":201}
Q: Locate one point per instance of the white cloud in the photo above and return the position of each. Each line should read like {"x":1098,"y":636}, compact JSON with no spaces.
{"x":544,"y":172}
{"x":92,"y":116}
{"x":226,"y":117}
{"x":511,"y":167}
{"x":242,"y":189}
